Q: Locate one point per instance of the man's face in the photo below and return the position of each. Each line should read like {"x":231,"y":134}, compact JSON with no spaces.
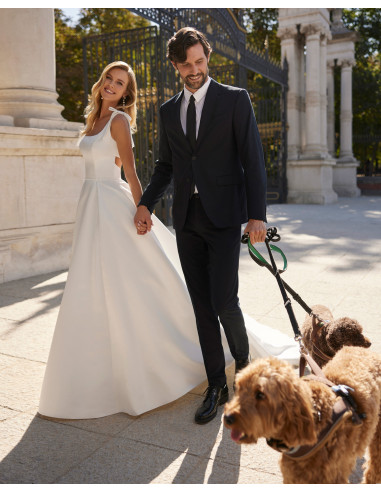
{"x":194,"y":70}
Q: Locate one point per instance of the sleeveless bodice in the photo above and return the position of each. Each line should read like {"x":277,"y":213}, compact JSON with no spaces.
{"x":100,"y":151}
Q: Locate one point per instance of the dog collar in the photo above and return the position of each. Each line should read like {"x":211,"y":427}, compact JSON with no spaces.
{"x":340,"y":411}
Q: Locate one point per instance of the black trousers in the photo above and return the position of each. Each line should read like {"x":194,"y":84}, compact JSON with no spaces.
{"x":210,"y":258}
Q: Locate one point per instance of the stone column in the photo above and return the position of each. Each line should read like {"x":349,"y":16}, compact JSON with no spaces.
{"x":309,"y":173}
{"x":313,"y":112}
{"x":331,"y":108}
{"x":309,"y":176}
{"x":41,"y":168}
{"x":28,"y":96}
{"x":346,"y":153}
{"x":323,"y":93}
{"x":345,"y":175}
{"x":290,"y":50}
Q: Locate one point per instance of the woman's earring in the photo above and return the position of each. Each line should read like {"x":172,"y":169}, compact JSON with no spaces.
{"x":124,"y":102}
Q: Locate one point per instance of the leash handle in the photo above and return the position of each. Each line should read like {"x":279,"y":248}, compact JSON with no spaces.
{"x":259,"y":260}
{"x":271,"y":235}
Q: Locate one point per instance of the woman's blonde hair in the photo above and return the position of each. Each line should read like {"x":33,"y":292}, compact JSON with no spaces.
{"x":93,"y":109}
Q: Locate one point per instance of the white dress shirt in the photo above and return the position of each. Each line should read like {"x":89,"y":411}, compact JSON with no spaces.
{"x":199,"y":96}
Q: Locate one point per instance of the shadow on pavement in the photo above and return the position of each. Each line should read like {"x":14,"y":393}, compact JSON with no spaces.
{"x":86,"y":452}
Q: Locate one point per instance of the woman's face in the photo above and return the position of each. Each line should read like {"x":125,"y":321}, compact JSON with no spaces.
{"x":114,"y":86}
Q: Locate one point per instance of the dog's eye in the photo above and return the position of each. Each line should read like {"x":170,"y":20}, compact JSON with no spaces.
{"x":259,"y":395}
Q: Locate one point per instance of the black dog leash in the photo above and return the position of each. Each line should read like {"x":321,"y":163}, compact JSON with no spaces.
{"x":273,"y":236}
{"x":259,"y":260}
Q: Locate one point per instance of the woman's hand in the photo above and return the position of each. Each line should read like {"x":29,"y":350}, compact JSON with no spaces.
{"x":142,"y":220}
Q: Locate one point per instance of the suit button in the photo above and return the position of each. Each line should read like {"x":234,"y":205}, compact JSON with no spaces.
{"x":194,"y":157}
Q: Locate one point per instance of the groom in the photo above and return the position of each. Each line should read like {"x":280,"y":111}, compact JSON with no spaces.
{"x":209,"y":143}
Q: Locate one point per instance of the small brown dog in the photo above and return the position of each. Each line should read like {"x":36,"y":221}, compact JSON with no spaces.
{"x":271,"y":401}
{"x":324,"y":342}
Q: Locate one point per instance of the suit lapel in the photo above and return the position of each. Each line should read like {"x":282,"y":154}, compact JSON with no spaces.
{"x":210,"y":103}
{"x":177,"y":120}
{"x":176,"y":115}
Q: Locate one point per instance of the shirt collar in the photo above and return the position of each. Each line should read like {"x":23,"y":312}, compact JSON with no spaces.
{"x":199,"y":94}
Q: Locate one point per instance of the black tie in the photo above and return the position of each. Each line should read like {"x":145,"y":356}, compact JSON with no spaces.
{"x":191,"y":122}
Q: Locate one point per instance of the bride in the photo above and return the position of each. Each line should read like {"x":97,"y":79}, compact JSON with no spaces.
{"x":126,"y":337}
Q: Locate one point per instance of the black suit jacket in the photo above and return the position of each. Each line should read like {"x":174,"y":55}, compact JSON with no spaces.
{"x":227,"y":166}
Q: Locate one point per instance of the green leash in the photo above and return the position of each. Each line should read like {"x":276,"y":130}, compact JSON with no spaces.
{"x":258,"y":258}
{"x":273,"y":236}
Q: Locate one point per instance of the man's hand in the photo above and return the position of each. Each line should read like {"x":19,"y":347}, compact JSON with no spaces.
{"x":142,"y":220}
{"x":257,"y":231}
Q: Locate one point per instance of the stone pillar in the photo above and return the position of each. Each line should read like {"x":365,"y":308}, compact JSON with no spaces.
{"x":323,"y":94}
{"x":345,"y":175}
{"x":28,"y":96}
{"x":310,"y":176}
{"x":331,"y":108}
{"x":346,"y":153}
{"x":341,"y":48}
{"x":290,"y":49}
{"x":313,"y":114}
{"x":41,"y":168}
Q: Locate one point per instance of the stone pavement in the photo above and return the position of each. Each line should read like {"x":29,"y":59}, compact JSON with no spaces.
{"x":334,"y":254}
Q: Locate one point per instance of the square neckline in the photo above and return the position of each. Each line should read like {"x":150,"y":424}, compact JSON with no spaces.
{"x":113,"y":112}
{"x":103,"y":129}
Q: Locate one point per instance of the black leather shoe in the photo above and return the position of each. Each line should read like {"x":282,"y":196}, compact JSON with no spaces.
{"x":215,"y":396}
{"x":239,"y":365}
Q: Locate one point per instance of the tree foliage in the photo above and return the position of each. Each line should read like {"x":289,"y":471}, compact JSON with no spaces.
{"x":367,"y":71}
{"x":69,"y":54}
{"x":261,"y":26}
{"x":69,"y":68}
{"x":366,"y":99}
{"x":101,"y":21}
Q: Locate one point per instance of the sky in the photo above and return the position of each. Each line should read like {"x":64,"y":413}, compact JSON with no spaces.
{"x":72,"y":14}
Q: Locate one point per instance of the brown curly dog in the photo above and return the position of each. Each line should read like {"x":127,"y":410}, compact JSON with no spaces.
{"x":271,"y":401}
{"x":326,"y":341}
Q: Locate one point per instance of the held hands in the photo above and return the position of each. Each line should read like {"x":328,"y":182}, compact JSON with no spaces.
{"x":142,"y":220}
{"x":257,"y":231}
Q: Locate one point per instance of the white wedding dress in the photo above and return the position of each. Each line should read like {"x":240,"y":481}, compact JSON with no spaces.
{"x":126,"y":337}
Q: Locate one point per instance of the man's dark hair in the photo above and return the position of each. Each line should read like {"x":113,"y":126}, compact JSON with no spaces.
{"x":185,"y":38}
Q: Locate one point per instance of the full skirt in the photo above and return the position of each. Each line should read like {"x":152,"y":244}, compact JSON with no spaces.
{"x":126,"y":337}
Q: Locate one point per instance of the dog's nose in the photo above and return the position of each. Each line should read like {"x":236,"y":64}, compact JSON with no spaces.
{"x":229,"y":419}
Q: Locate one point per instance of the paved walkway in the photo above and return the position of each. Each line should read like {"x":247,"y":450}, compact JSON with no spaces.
{"x":334,"y":255}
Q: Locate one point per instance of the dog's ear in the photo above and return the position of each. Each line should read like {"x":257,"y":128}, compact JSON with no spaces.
{"x":346,"y":332}
{"x":298,"y":427}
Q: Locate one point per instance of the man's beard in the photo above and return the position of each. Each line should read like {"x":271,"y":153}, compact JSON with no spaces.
{"x":196,"y":84}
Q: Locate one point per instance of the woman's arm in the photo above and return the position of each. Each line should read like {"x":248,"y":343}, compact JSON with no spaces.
{"x":120,"y":132}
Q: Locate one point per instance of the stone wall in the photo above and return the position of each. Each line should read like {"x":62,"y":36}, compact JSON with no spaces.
{"x":41,"y":173}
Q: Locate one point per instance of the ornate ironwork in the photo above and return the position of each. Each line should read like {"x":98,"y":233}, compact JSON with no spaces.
{"x":224,"y":33}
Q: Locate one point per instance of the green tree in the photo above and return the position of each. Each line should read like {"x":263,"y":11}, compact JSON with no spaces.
{"x":101,"y":21}
{"x":69,"y":67}
{"x":261,"y":26}
{"x":69,"y":52}
{"x":366,"y":85}
{"x":367,"y":71}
